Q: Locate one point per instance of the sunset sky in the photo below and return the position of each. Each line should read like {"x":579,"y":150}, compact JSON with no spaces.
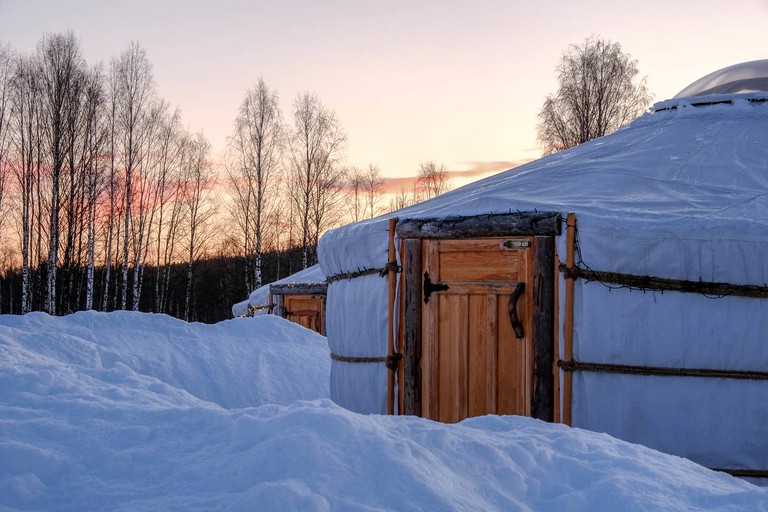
{"x":458,"y":82}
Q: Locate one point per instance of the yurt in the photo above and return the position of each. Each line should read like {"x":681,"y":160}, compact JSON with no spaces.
{"x":299,"y":298}
{"x":619,"y":286}
{"x":301,"y":302}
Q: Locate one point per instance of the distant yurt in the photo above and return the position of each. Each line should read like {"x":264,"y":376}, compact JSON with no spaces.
{"x":299,"y":298}
{"x":619,"y":286}
{"x":302,"y":303}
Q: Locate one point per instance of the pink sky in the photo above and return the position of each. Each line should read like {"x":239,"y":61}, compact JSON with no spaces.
{"x":456,"y":82}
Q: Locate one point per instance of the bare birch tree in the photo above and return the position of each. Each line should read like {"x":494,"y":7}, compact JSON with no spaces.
{"x":356,"y":204}
{"x":328,"y":203}
{"x":6,"y":77}
{"x":146,"y":179}
{"x":317,"y":143}
{"x":400,"y":200}
{"x":135,"y":89}
{"x":373,"y":188}
{"x":170,"y":239}
{"x":6,"y":105}
{"x":257,"y":145}
{"x":72,"y":187}
{"x":96,"y":135}
{"x":597,"y":93}
{"x":25,"y":97}
{"x":165,"y":190}
{"x":112,"y":187}
{"x":62,"y":67}
{"x":431,"y":180}
{"x":198,"y":186}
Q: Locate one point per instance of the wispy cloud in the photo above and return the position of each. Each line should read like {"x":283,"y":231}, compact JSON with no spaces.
{"x":470,"y":172}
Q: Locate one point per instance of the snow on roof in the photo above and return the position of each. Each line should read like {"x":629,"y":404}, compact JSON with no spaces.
{"x":665,"y":164}
{"x":740,"y":78}
{"x":133,"y":411}
{"x":260,"y":296}
{"x":673,"y":174}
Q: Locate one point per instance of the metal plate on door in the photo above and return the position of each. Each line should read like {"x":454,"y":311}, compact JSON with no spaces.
{"x":516,"y":243}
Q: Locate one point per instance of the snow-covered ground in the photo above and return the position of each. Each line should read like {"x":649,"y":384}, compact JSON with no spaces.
{"x":130,"y":411}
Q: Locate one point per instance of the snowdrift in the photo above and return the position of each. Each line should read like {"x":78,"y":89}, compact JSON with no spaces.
{"x":129,"y":411}
{"x":241,"y":363}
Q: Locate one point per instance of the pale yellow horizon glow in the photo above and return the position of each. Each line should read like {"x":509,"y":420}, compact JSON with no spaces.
{"x":456,"y":82}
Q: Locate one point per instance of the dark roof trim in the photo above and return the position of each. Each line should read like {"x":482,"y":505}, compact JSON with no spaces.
{"x":476,"y":226}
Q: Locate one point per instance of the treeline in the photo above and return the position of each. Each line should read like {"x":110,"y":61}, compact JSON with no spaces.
{"x":98,"y":180}
{"x":217,"y":278}
{"x":107,"y":202}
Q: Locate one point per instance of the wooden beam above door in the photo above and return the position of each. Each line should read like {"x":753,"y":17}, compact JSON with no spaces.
{"x":503,"y":224}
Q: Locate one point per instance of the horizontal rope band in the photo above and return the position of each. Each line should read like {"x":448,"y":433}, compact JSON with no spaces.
{"x":572,"y":366}
{"x":299,"y":289}
{"x":631,"y":281}
{"x":384,"y":271}
{"x":348,"y":359}
{"x":357,"y":273}
{"x":250,"y":310}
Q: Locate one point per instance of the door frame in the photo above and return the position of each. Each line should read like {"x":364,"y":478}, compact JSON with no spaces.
{"x":544,"y":226}
{"x":318,"y":291}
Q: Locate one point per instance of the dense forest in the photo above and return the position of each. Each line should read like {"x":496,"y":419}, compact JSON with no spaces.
{"x":107,"y":202}
{"x":218,"y":280}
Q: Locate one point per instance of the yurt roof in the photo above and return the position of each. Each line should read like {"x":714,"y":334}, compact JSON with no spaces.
{"x":687,"y":169}
{"x":687,"y":162}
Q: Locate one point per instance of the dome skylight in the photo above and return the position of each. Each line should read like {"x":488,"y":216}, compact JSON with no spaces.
{"x":740,"y":78}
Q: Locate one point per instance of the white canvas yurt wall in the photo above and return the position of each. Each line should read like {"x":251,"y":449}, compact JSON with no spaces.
{"x":681,"y":193}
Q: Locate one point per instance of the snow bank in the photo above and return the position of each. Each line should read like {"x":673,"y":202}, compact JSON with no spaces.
{"x":239,"y":363}
{"x":129,"y":411}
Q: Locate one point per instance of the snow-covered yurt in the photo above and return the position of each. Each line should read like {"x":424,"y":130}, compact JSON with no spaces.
{"x":619,"y":286}
{"x":299,"y":298}
{"x":302,"y":303}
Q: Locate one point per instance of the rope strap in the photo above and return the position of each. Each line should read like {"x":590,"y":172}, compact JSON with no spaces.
{"x":632,"y":281}
{"x":391,"y":266}
{"x":574,"y":366}
{"x":347,"y":359}
{"x":384,"y":271}
{"x":393,"y":361}
{"x":571,"y":366}
{"x":250,"y":310}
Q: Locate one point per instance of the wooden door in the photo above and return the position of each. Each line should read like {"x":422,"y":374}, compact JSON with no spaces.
{"x":305,"y":310}
{"x":473,"y":361}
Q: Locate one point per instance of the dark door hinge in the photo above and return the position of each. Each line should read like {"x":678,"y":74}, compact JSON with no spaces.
{"x":430,"y":287}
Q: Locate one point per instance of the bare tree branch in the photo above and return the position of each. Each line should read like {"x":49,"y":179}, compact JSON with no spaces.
{"x":597,"y":94}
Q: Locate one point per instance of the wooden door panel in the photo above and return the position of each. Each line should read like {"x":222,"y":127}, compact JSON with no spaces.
{"x":472,"y":363}
{"x":478,"y":261}
{"x":480,"y":289}
{"x":476,"y":245}
{"x":480,"y":266}
{"x":305,"y":310}
{"x":513,"y":363}
{"x":481,"y":368}
{"x":452,"y":355}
